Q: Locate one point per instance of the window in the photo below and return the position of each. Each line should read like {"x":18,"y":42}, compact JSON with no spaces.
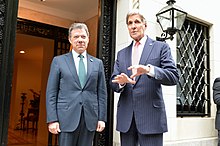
{"x":193,"y":92}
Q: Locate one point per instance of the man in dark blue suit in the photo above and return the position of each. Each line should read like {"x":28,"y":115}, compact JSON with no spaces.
{"x":76,"y":96}
{"x":141,"y":115}
{"x":216,"y":98}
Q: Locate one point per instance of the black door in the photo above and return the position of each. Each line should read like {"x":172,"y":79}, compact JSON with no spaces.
{"x":8,"y":14}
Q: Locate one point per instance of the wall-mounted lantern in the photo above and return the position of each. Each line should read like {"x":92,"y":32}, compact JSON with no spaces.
{"x":171,"y":19}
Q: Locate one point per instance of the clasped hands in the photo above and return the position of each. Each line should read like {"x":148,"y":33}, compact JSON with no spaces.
{"x":136,"y":71}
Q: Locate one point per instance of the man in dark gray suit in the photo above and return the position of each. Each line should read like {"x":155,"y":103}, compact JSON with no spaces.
{"x":141,"y":115}
{"x":76,"y":96}
{"x":216,"y":98}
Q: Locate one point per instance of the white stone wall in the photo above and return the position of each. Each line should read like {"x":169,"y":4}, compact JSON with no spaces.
{"x":187,"y":131}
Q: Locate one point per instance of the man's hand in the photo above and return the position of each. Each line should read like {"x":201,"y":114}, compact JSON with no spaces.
{"x":54,"y":127}
{"x":122,"y":79}
{"x":100,"y":126}
{"x":139,"y":70}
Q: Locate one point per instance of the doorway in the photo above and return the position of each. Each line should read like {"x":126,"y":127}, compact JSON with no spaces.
{"x":39,"y":43}
{"x":31,"y":67}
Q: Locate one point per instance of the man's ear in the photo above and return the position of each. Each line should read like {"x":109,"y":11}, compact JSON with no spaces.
{"x":69,"y":40}
{"x":146,"y":25}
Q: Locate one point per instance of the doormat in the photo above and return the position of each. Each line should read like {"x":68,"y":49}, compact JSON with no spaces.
{"x":15,"y":139}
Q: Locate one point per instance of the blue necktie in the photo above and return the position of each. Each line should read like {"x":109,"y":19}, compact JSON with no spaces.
{"x":82,"y":71}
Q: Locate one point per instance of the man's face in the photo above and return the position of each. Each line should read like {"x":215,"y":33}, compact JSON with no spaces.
{"x":136,"y":27}
{"x":79,"y":40}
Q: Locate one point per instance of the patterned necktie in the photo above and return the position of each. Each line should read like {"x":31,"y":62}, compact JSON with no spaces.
{"x":135,"y":56}
{"x":82,"y":71}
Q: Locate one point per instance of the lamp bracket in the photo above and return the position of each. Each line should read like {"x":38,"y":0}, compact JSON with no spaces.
{"x":164,"y":37}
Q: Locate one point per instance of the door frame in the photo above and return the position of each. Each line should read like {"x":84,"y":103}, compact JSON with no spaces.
{"x":8,"y":16}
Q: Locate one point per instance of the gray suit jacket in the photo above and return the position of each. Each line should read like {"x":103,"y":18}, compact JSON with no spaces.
{"x":216,"y":98}
{"x":144,"y":100}
{"x":65,"y":98}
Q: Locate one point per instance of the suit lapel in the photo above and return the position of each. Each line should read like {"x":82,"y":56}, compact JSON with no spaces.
{"x":72,"y":67}
{"x":90,"y":61}
{"x":148,"y":48}
{"x":127,"y":58}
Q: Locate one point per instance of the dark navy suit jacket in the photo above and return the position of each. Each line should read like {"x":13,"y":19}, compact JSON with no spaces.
{"x":65,"y":97}
{"x":144,"y":100}
{"x":216,"y":98}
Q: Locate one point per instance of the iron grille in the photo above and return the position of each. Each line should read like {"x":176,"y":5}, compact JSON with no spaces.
{"x":193,"y":93}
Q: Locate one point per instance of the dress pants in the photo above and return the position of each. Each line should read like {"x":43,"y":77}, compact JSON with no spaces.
{"x":134,"y":138}
{"x":80,"y":137}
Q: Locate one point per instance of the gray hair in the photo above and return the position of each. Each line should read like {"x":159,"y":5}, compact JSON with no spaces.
{"x":78,"y":26}
{"x":135,"y":12}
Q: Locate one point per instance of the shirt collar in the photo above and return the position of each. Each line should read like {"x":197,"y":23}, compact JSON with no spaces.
{"x":75,"y":54}
{"x":142,"y":41}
